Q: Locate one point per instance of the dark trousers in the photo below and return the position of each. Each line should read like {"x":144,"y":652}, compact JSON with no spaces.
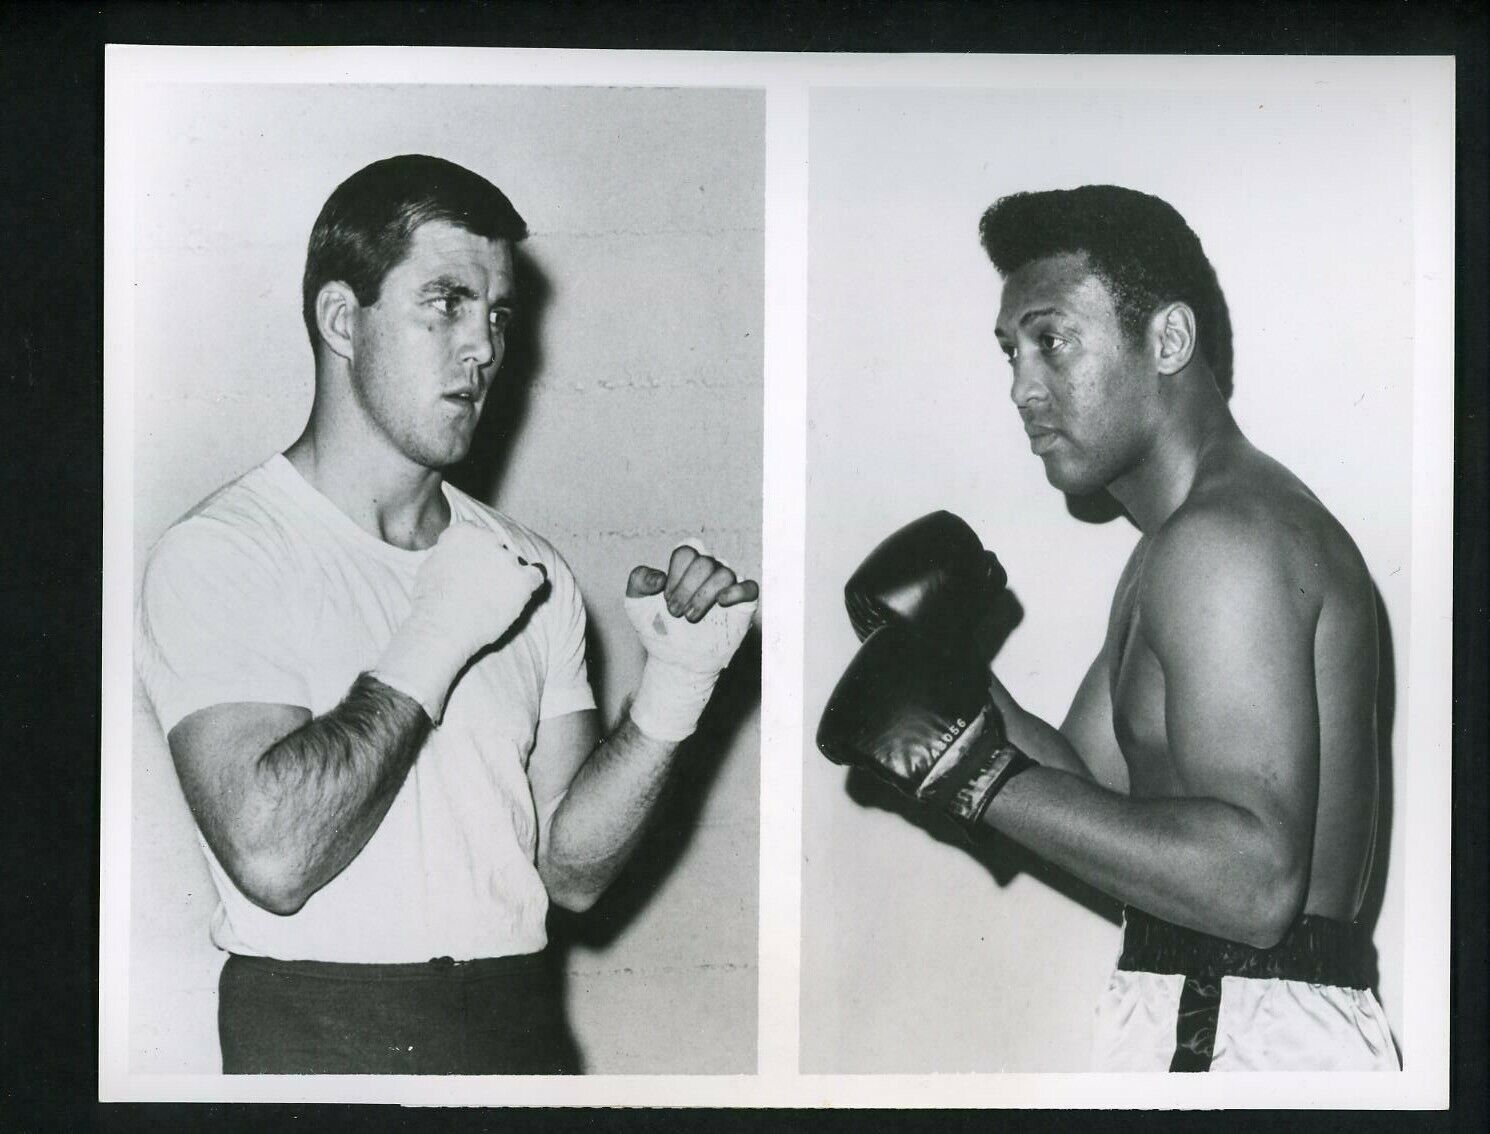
{"x":499,"y":1016}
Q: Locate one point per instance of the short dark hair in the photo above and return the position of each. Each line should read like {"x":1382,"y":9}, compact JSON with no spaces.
{"x":366,"y":225}
{"x":1138,"y":245}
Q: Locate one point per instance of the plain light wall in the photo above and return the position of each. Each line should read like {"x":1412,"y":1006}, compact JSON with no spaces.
{"x":918,"y":956}
{"x":633,"y":419}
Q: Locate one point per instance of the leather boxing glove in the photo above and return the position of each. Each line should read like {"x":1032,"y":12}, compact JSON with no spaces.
{"x":932,"y":574}
{"x":919,"y":717}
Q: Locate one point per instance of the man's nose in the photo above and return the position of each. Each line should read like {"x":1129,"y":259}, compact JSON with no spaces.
{"x":1027,"y":385}
{"x":483,"y":344}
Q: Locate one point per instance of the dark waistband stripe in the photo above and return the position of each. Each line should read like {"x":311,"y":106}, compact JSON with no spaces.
{"x":1317,"y":950}
{"x":436,"y":968}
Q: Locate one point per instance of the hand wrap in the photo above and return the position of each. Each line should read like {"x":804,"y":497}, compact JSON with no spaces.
{"x":684,"y":661}
{"x":468,"y":592}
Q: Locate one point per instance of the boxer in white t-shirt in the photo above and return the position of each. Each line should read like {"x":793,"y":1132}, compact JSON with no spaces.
{"x":374,"y":686}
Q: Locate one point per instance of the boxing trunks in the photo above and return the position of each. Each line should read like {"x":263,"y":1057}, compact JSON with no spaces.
{"x":1186,"y":1001}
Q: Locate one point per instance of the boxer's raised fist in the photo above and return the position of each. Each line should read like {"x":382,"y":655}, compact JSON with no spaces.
{"x":919,"y":717}
{"x":691,"y":619}
{"x":469,"y":591}
{"x":932,"y":575}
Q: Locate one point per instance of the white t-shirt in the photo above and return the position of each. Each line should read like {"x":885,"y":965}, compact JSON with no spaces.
{"x":269,"y":593}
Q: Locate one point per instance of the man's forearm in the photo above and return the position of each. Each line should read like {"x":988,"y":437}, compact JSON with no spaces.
{"x":690,"y":620}
{"x":1202,"y":863}
{"x":1036,"y":738}
{"x":603,"y":814}
{"x":315,"y":797}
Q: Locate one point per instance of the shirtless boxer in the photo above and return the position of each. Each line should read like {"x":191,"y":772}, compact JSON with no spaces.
{"x":1217,"y":770}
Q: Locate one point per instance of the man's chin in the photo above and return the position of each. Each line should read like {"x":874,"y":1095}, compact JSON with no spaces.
{"x":456,"y":455}
{"x":1071,"y":481}
{"x":456,"y":445}
{"x":440,"y":456}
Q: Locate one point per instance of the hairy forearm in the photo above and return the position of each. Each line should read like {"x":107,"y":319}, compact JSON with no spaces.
{"x":315,"y":797}
{"x":1202,"y":863}
{"x":603,"y":814}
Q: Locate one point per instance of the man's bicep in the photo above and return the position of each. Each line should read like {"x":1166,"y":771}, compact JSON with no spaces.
{"x":1088,"y":727}
{"x":1241,"y":716}
{"x":562,"y":745}
{"x":214,"y":751}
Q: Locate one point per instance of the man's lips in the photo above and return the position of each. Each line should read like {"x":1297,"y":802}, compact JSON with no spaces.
{"x":1042,"y":438}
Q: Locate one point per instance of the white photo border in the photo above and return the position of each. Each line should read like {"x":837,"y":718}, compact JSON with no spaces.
{"x":787,"y":80}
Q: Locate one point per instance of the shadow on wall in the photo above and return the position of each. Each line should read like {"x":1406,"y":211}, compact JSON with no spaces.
{"x":699,"y":760}
{"x":1002,"y":857}
{"x":507,"y":403}
{"x":1386,"y":719}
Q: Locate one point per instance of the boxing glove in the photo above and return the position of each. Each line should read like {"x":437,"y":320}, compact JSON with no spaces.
{"x":919,"y":717}
{"x":932,"y":575}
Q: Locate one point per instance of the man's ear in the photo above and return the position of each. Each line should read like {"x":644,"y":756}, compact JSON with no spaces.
{"x":1173,"y":326}
{"x":336,"y":306}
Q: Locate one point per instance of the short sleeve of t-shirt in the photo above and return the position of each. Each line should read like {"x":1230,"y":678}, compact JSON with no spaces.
{"x":566,"y":685}
{"x":209,"y":623}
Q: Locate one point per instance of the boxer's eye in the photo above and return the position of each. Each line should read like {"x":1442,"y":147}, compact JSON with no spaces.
{"x":1051,"y":343}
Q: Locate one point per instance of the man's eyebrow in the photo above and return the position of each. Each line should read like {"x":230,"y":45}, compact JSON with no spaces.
{"x":454,"y":287}
{"x":1038,"y":313}
{"x":448,"y":285}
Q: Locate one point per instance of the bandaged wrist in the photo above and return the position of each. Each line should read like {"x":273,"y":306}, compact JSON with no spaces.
{"x":418,"y":663}
{"x":400,"y":683}
{"x":684,"y":660}
{"x":670,"y":699}
{"x":974,"y":770}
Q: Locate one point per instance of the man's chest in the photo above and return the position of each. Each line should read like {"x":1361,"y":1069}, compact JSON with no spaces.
{"x":1137,"y":689}
{"x":339,"y":626}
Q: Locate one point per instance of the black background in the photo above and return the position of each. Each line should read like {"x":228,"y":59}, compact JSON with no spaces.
{"x":51,"y":385}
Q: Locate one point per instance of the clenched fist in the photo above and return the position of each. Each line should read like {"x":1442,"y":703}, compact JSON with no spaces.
{"x":691,"y":619}
{"x":467,"y":594}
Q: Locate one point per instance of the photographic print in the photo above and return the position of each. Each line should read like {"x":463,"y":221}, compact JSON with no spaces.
{"x":446,"y":512}
{"x":1110,"y":518}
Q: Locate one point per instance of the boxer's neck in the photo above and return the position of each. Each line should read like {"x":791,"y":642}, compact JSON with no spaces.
{"x":1163,"y":477}
{"x":383,"y":493}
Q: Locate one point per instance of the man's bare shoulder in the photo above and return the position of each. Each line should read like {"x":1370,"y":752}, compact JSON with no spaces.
{"x":1213,"y":558}
{"x":1254,"y":534}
